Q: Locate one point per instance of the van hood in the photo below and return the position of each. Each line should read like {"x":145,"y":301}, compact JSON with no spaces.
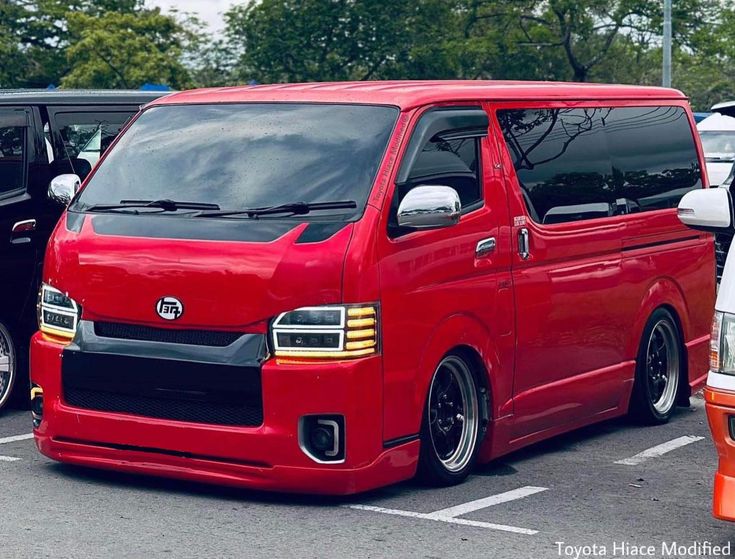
{"x":718,"y":171}
{"x":228,"y":273}
{"x":717,"y":122}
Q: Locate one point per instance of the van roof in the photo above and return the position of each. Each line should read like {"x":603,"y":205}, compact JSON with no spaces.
{"x":409,"y":94}
{"x":77,"y":96}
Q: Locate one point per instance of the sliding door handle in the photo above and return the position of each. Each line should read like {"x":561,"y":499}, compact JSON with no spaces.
{"x":524,"y":244}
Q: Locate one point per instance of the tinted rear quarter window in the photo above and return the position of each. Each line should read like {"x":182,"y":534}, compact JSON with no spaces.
{"x":585,"y":163}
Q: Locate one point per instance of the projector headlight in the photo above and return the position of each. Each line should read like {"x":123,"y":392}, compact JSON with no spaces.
{"x":58,"y":314}
{"x":340,"y":331}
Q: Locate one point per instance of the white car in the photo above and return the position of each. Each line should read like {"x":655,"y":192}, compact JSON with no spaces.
{"x":718,"y":140}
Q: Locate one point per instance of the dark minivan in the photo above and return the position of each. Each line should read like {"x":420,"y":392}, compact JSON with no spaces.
{"x":43,"y":134}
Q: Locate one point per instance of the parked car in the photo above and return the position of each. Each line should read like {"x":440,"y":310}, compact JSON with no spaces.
{"x":712,"y":210}
{"x":723,"y":239}
{"x":42,"y":134}
{"x":329,"y":288}
{"x":718,"y":140}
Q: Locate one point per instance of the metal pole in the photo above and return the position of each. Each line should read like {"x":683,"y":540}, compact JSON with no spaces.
{"x":667,"y":44}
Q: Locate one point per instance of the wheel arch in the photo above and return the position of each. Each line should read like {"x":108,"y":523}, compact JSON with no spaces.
{"x":666,"y":294}
{"x":662,"y":293}
{"x":464,"y":335}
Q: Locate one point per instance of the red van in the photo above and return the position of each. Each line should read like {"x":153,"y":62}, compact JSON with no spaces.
{"x":332,"y":287}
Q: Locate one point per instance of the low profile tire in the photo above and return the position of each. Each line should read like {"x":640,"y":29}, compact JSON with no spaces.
{"x":8,"y":367}
{"x":451,"y":426}
{"x":658,"y":370}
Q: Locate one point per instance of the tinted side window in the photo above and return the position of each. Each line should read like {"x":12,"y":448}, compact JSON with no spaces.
{"x":454,"y":163}
{"x":575,"y":164}
{"x":654,"y":157}
{"x":12,"y":158}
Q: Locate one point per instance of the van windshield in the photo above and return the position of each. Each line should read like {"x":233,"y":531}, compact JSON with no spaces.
{"x":243,"y":156}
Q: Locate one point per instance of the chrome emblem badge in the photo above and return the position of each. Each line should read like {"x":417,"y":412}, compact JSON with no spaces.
{"x":169,"y":308}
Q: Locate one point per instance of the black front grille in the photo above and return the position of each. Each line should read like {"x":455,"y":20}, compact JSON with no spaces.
{"x":722,"y":245}
{"x":175,"y":410}
{"x":146,"y":333}
{"x":163,"y":388}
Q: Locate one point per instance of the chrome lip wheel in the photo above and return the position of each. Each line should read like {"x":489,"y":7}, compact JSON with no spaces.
{"x":453,"y":413}
{"x":7,"y":366}
{"x":662,"y":367}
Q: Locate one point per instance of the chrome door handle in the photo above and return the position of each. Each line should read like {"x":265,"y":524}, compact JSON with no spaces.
{"x":524,"y":244}
{"x":485,"y":247}
{"x":25,"y":226}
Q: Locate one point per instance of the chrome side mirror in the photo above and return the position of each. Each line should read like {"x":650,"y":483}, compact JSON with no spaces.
{"x":708,"y":208}
{"x":63,"y":188}
{"x":429,"y":207}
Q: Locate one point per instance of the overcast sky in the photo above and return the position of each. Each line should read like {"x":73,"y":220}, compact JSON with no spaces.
{"x":209,"y":11}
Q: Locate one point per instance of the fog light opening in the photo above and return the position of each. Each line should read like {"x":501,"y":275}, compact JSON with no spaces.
{"x":36,"y":405}
{"x":321,"y":438}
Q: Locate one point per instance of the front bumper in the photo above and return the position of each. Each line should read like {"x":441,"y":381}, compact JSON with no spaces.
{"x":720,"y":406}
{"x":266,"y":457}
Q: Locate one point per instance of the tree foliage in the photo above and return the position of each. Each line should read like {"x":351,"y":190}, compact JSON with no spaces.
{"x":124,"y":50}
{"x":39,"y":40}
{"x":579,"y":40}
{"x":309,"y":40}
{"x":124,"y":43}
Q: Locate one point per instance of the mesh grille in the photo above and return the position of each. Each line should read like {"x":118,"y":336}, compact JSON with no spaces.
{"x":176,"y":410}
{"x":722,"y":245}
{"x":149,"y":334}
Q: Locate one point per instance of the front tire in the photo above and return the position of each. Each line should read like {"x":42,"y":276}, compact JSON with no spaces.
{"x":658,"y":370}
{"x":8,"y":366}
{"x":451,"y":426}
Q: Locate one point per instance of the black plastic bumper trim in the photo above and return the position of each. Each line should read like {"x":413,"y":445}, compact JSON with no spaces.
{"x":400,"y":440}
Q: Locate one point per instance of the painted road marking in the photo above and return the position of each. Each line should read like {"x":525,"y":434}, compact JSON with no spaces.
{"x":16,"y":438}
{"x":8,"y":459}
{"x":492,"y":500}
{"x":659,"y":450}
{"x":450,"y":514}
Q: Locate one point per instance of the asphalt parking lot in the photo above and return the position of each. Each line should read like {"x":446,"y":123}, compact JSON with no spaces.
{"x":607,"y":485}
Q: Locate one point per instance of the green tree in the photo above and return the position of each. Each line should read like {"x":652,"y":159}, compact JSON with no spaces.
{"x":579,"y":40}
{"x":34,"y":35}
{"x":308,"y":40}
{"x":39,"y":43}
{"x":125,"y":50}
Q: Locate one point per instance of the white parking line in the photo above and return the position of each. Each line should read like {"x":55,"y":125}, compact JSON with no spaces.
{"x":450,"y":514}
{"x":659,"y":450}
{"x":8,"y":459}
{"x":16,"y":438}
{"x":492,"y":500}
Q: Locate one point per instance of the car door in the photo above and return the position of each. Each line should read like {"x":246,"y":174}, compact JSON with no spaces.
{"x":571,"y":305}
{"x":20,"y":165}
{"x":81,"y":134}
{"x":457,"y":275}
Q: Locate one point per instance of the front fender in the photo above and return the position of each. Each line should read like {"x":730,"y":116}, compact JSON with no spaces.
{"x":466,"y":332}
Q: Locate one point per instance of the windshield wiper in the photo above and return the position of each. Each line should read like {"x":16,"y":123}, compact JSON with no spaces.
{"x":296,"y":208}
{"x":166,"y":205}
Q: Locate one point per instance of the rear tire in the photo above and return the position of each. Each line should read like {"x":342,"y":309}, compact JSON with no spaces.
{"x":8,"y":367}
{"x":658,"y":370}
{"x":451,"y":426}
